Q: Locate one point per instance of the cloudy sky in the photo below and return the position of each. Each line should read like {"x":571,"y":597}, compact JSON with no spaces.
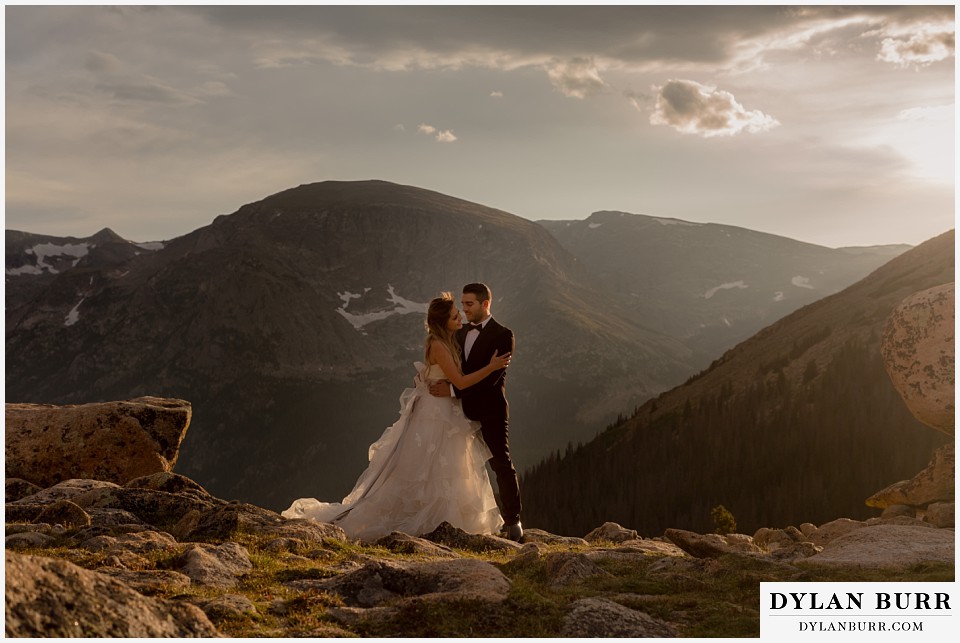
{"x":825,"y":124}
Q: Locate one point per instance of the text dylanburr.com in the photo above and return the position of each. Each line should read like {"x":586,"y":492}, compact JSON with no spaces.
{"x":841,"y":611}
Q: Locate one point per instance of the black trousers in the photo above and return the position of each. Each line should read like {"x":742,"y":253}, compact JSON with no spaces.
{"x":496,"y":433}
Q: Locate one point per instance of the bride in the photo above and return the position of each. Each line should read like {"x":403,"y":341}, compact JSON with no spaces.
{"x":429,"y":467}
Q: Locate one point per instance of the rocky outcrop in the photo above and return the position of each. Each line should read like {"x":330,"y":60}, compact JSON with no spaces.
{"x":711,"y":545}
{"x":934,"y":484}
{"x":450,"y":536}
{"x":234,"y":518}
{"x":603,"y":618}
{"x":380,"y":582}
{"x":612,"y":532}
{"x":55,"y":598}
{"x":217,"y":566}
{"x":888,"y":546}
{"x":918,"y":350}
{"x":109,"y":441}
{"x":402,"y":543}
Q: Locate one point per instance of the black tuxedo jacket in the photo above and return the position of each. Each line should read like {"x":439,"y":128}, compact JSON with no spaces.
{"x":487,"y":398}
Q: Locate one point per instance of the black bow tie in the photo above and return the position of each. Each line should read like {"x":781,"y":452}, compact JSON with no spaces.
{"x":470,"y":327}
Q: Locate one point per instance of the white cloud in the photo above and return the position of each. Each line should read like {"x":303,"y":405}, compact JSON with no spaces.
{"x":575,"y":77}
{"x":496,"y":94}
{"x":692,"y":108}
{"x":920,"y":45}
{"x":942,"y":113}
{"x":442,"y":136}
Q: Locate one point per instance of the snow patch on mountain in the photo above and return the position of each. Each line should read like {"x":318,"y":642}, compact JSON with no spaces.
{"x":676,"y":222}
{"x":802,"y":282}
{"x":74,"y":315}
{"x":727,"y":286}
{"x":401,"y":306}
{"x":42,"y":251}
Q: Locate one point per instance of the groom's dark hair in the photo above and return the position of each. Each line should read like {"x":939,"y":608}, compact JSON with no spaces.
{"x":480,"y":290}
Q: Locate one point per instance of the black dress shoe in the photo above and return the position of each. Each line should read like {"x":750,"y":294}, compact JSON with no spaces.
{"x":513,"y":532}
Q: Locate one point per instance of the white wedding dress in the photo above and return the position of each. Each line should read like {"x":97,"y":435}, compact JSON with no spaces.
{"x":429,"y":467}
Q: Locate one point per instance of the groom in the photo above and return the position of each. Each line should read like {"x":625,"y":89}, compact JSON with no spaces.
{"x":486,"y":401}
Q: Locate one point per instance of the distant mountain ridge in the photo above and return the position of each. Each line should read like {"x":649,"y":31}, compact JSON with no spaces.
{"x":292,"y":326}
{"x":799,"y":422}
{"x":710,"y":284}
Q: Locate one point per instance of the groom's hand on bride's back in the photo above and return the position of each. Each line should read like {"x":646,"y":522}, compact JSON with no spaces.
{"x":440,"y":388}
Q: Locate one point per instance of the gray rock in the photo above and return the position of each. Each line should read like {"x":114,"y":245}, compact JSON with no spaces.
{"x":64,"y":512}
{"x":940,"y":514}
{"x":157,"y":508}
{"x":112,"y":441}
{"x":46,"y":597}
{"x":795,"y":551}
{"x":906,"y":521}
{"x":112,"y":517}
{"x":541,"y":536}
{"x":933,"y":484}
{"x":65,"y":490}
{"x":895,"y":511}
{"x":329,"y":632}
{"x":772,"y":539}
{"x":834,"y":529}
{"x":217,"y":566}
{"x":379,"y":582}
{"x":281,"y":545}
{"x":447,"y":534}
{"x":402,"y":543}
{"x":86,"y":533}
{"x":808,"y":529}
{"x":228,"y":606}
{"x":149,"y":581}
{"x":888,"y":546}
{"x":611,"y":531}
{"x":171,"y":483}
{"x":602,"y":618}
{"x":18,"y":488}
{"x":224,"y":522}
{"x":40,"y":528}
{"x":709,"y":545}
{"x":143,"y":542}
{"x":29,"y":540}
{"x":565,"y":568}
{"x":351,"y":616}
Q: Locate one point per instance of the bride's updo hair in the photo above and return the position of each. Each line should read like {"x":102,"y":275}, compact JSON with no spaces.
{"x":438,"y":314}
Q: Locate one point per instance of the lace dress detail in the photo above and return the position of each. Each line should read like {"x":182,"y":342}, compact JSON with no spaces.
{"x":427,"y":468}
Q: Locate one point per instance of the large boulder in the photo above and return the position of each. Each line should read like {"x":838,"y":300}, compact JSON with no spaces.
{"x":888,"y":546}
{"x":602,"y":618}
{"x":934,"y":484}
{"x":110,"y":441}
{"x":46,"y":597}
{"x":917,"y":348}
{"x":380,"y":582}
{"x":217,"y":566}
{"x":710,"y":545}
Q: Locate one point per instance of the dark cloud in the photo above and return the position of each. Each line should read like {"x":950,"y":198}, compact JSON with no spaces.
{"x":692,"y":108}
{"x":631,"y":34}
